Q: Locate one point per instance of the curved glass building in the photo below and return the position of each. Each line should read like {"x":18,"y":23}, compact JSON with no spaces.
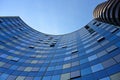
{"x":90,"y":53}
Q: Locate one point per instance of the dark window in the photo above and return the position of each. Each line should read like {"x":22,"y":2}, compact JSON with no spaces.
{"x":15,"y":59}
{"x":20,"y":29}
{"x":38,"y":42}
{"x":52,"y":45}
{"x":90,"y":30}
{"x":31,"y":47}
{"x":19,"y":24}
{"x":0,"y":21}
{"x":114,"y":30}
{"x":64,"y":46}
{"x":2,"y":42}
{"x":95,"y":33}
{"x":50,"y":38}
{"x":94,"y":23}
{"x":100,"y":39}
{"x":15,"y":37}
{"x":73,"y":52}
{"x":87,"y":27}
{"x":46,"y":35}
{"x":98,"y":24}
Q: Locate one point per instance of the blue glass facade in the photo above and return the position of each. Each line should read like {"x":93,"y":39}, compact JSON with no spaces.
{"x":90,"y":53}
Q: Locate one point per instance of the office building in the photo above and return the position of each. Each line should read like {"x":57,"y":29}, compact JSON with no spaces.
{"x":90,"y":53}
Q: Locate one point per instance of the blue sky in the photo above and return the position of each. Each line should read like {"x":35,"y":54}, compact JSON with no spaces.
{"x":51,"y":16}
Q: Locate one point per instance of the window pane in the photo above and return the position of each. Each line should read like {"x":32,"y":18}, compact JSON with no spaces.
{"x":97,"y":67}
{"x":111,"y":48}
{"x":106,"y":78}
{"x":66,"y":65}
{"x":92,"y":57}
{"x":102,"y":53}
{"x":56,"y":77}
{"x":75,"y":63}
{"x":115,"y":76}
{"x":75,"y":74}
{"x":65,"y":76}
{"x":86,"y":71}
{"x":108,"y":63}
{"x":117,"y":58}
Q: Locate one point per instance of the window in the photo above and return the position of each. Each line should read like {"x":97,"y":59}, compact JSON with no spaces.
{"x":104,"y":42}
{"x":108,"y":63}
{"x":90,"y":30}
{"x":0,"y":21}
{"x":75,"y":63}
{"x":28,"y":78}
{"x":37,"y":78}
{"x":20,"y":29}
{"x":66,"y":65}
{"x":65,"y":76}
{"x":20,"y":78}
{"x":117,"y":58}
{"x":52,"y":45}
{"x":34,"y":61}
{"x":47,"y":78}
{"x":56,"y":77}
{"x":94,"y":23}
{"x":118,"y":34}
{"x":74,"y":51}
{"x":21,"y":68}
{"x":35,"y":69}
{"x":111,"y":48}
{"x":89,"y":50}
{"x":4,"y":76}
{"x":11,"y":77}
{"x":31,"y":47}
{"x":50,"y":68}
{"x":14,"y":37}
{"x":64,"y":46}
{"x":58,"y":67}
{"x":97,"y":67}
{"x":102,"y":53}
{"x":115,"y":76}
{"x":93,"y":57}
{"x":83,"y":61}
{"x":15,"y":59}
{"x":100,"y":39}
{"x":67,"y":58}
{"x":74,"y":56}
{"x":33,"y":56}
{"x":2,"y":47}
{"x":98,"y":24}
{"x":86,"y":71}
{"x":75,"y":74}
{"x":118,"y":44}
{"x":114,"y":30}
{"x":3,"y":56}
{"x":1,"y":64}
{"x":106,"y":78}
{"x":28,"y":69}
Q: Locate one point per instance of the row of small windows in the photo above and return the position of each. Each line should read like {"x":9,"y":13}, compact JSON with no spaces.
{"x":91,"y":58}
{"x":66,"y":76}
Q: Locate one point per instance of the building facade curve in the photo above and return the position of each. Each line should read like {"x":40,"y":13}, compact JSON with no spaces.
{"x":90,"y":53}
